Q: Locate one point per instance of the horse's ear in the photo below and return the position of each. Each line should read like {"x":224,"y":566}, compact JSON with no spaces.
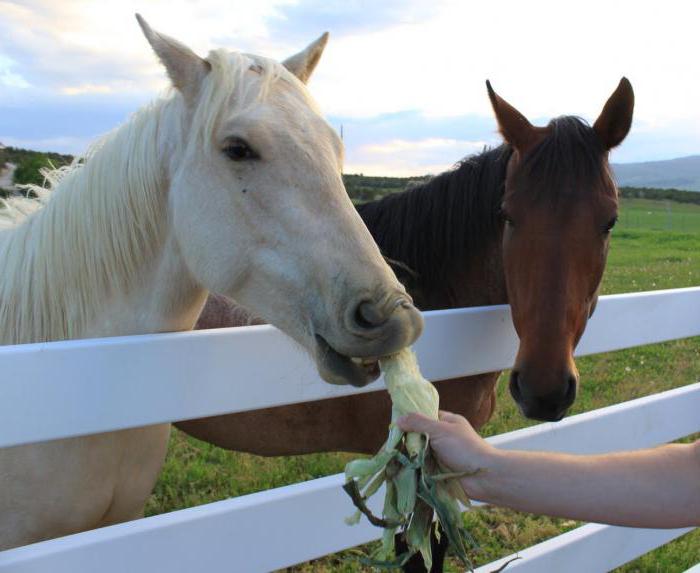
{"x":513,"y":125}
{"x":185,"y":68}
{"x":302,"y":64}
{"x":615,"y":121}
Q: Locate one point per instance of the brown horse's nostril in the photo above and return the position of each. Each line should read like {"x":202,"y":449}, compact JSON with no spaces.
{"x":515,"y":389}
{"x":571,"y":385}
{"x":548,"y":406}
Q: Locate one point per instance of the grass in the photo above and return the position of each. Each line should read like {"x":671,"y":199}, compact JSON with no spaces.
{"x":660,"y":215}
{"x":645,"y":255}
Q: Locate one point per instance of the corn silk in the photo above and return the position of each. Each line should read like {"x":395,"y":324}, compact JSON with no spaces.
{"x":418,"y":493}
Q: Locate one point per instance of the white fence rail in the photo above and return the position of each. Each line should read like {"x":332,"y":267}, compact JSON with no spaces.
{"x":139,"y":380}
{"x":288,"y":525}
{"x":55,"y":390}
{"x":592,"y":548}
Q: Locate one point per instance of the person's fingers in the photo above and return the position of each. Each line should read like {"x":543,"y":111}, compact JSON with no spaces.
{"x":451,"y":417}
{"x":415,"y":422}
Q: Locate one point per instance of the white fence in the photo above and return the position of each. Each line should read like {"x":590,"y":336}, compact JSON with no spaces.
{"x":55,"y":390}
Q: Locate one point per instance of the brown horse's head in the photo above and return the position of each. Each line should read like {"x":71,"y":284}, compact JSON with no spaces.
{"x":559,"y":205}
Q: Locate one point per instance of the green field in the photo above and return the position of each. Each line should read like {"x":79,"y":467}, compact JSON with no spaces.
{"x":644,"y":256}
{"x":660,"y":215}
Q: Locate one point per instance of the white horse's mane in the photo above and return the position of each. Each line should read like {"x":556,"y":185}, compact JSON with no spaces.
{"x":98,"y":221}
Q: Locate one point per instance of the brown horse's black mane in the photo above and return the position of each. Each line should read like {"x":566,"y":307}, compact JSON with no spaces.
{"x":432,"y":226}
{"x":452,"y":218}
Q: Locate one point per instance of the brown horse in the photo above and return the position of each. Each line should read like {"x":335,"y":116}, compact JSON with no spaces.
{"x":527,"y":223}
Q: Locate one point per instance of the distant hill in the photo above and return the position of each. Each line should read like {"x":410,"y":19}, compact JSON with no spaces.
{"x":681,"y":173}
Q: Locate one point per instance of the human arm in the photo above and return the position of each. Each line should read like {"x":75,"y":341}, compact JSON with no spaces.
{"x":658,"y":487}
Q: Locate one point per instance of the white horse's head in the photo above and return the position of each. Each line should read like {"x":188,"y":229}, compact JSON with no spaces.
{"x":259,"y":211}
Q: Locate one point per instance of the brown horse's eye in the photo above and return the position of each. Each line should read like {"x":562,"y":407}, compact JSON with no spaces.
{"x":239,"y":150}
{"x":611,"y":223}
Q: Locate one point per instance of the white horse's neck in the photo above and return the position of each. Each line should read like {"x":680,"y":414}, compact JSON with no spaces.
{"x":100,"y":246}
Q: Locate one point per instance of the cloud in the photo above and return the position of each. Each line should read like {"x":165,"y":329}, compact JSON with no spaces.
{"x":86,"y":89}
{"x":656,"y":141}
{"x":400,"y":70}
{"x":412,"y":143}
{"x":304,"y":20}
{"x":9,"y":77}
{"x":432,"y":144}
{"x":68,"y":122}
{"x":89,"y":66}
{"x":402,"y":157}
{"x":49,"y":55}
{"x":63,"y":44}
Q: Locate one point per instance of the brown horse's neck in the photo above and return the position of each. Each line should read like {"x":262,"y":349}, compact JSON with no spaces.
{"x":480,"y":283}
{"x":443,"y":238}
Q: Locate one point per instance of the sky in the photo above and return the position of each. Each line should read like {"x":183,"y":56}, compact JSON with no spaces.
{"x":404,"y":79}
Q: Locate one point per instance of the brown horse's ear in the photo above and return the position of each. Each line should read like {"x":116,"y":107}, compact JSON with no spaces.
{"x":185,"y":68}
{"x":303,"y":64}
{"x":614,"y":122}
{"x":513,"y":125}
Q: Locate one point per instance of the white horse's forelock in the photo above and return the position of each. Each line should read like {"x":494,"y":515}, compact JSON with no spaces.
{"x":96,"y":222}
{"x":226,"y":89}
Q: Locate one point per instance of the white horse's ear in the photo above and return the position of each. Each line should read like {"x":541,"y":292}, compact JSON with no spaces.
{"x":185,"y":68}
{"x":302,"y":64}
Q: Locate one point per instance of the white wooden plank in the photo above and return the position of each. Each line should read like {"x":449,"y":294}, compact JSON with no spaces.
{"x":592,"y":548}
{"x":72,"y":388}
{"x":635,"y":319}
{"x":695,"y":569}
{"x":635,"y":424}
{"x":284,"y":526}
{"x":253,"y":533}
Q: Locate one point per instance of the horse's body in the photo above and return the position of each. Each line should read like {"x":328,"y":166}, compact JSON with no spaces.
{"x":209,"y":189}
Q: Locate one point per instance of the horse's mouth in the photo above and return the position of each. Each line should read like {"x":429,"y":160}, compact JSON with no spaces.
{"x":337,"y":368}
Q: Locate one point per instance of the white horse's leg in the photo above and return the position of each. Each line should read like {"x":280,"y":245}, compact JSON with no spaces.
{"x":94,"y":481}
{"x":138,"y":473}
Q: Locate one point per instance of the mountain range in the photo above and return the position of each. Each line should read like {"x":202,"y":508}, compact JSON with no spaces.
{"x":681,"y":173}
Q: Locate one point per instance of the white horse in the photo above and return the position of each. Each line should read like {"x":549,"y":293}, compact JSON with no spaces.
{"x":229,"y":184}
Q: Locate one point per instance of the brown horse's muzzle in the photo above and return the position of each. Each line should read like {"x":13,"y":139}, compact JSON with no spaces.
{"x":550,"y":405}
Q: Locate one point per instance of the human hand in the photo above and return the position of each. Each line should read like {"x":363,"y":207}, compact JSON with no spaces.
{"x":455,"y":443}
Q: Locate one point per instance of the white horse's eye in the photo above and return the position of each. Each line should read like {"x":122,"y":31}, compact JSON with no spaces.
{"x":238,"y":150}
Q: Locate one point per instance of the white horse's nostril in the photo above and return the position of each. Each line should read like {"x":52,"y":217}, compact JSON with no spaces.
{"x":369,"y":315}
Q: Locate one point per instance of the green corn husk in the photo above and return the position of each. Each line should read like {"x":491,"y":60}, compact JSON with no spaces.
{"x":417,"y":491}
{"x":406,"y":490}
{"x":419,"y":530}
{"x":390,"y":514}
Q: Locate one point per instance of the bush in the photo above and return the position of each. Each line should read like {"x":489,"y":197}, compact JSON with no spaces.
{"x":28,"y":170}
